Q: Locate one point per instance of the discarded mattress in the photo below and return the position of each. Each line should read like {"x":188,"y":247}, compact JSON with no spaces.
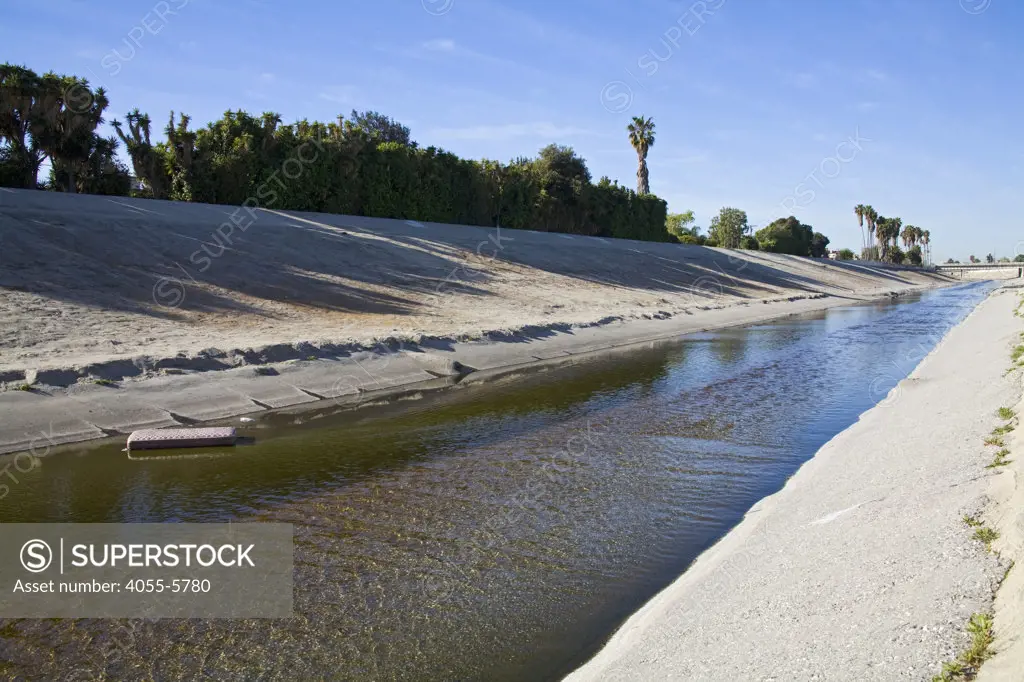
{"x":154,"y":439}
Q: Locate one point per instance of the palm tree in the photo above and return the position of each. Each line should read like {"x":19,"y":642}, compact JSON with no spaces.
{"x":926,"y":240}
{"x":871,"y":216}
{"x":888,"y":231}
{"x":870,"y":251}
{"x":881,"y":225}
{"x":910,"y":235}
{"x":858,"y":210}
{"x":641,"y":136}
{"x":895,"y":229}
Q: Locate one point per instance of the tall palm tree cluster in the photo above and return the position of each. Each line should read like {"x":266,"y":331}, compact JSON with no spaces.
{"x":880,"y":238}
{"x":914,"y":236}
{"x":54,"y":118}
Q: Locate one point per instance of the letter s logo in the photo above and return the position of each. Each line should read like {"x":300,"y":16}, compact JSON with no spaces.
{"x":36,"y":556}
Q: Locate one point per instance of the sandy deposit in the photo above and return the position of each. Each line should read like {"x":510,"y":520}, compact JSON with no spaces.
{"x":861,"y":568}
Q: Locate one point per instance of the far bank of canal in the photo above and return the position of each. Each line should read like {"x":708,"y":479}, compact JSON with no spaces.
{"x":491,"y":532}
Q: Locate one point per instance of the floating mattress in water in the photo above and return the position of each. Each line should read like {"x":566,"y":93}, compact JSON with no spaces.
{"x":155,"y":439}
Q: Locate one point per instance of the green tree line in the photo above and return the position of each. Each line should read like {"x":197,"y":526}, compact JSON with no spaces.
{"x":365,"y":164}
{"x":730,"y":229}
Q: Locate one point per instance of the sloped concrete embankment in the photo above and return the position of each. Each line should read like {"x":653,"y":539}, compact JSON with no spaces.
{"x":124,"y":313}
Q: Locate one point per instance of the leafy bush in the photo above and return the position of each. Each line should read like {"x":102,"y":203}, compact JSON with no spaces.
{"x":12,"y":173}
{"x":341,"y":168}
{"x":681,"y":224}
{"x":750,"y":243}
{"x":787,"y":235}
{"x":819,"y":245}
{"x":914,"y":255}
{"x":728,"y":228}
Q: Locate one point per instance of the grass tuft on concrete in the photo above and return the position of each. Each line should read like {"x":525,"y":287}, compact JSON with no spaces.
{"x":1000,"y":459}
{"x":965,"y":667}
{"x":1005,"y":428}
{"x":972,"y":521}
{"x":986,"y":535}
{"x":982,"y":533}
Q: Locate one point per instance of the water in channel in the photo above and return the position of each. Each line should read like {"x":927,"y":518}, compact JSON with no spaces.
{"x":495,"y":532}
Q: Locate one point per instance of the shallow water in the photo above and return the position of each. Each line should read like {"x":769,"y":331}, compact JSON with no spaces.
{"x":495,"y":532}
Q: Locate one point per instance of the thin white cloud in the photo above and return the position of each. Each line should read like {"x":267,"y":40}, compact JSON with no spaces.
{"x":523,"y":23}
{"x":867,"y":106}
{"x":508,"y":131}
{"x":440,"y":45}
{"x":445,"y":49}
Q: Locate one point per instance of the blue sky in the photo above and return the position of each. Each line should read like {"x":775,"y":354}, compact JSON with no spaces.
{"x":755,"y":101}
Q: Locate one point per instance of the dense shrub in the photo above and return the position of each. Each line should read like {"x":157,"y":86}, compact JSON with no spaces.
{"x":789,"y":235}
{"x":341,"y":168}
{"x":914,"y":256}
{"x":749,"y":243}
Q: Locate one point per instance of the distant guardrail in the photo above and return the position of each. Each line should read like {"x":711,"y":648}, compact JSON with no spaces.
{"x":978,"y":266}
{"x":980,"y":270}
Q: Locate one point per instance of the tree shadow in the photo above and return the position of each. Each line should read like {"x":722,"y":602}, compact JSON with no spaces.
{"x":169,"y":259}
{"x":164,"y":259}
